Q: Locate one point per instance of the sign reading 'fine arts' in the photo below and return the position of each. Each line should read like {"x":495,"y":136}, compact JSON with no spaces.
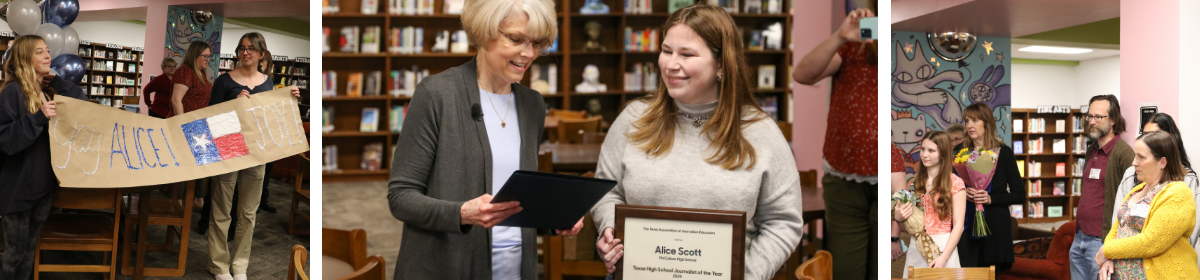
{"x":94,"y":146}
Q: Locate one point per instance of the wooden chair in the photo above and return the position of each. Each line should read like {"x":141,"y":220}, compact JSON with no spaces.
{"x":571,"y":131}
{"x":568,"y":114}
{"x":299,"y":195}
{"x":786,"y":128}
{"x":546,"y":161}
{"x":81,"y":232}
{"x":819,"y":267}
{"x":594,"y":137}
{"x":372,"y":271}
{"x":966,"y":273}
{"x":163,"y":212}
{"x":296,"y":266}
{"x":347,"y":246}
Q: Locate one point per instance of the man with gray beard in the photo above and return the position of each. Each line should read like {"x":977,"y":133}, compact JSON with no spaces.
{"x":1106,"y":152}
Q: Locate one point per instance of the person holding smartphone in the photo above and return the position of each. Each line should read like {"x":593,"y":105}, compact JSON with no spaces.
{"x":851,"y":176}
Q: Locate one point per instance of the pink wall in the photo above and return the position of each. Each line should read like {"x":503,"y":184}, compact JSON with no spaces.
{"x":812,"y":24}
{"x":1149,"y":47}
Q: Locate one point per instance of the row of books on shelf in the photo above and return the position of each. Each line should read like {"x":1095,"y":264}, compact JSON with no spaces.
{"x":401,"y":40}
{"x":731,"y":6}
{"x":111,"y":79}
{"x":769,"y":38}
{"x":1035,"y":188}
{"x":108,"y":90}
{"x":1079,"y":146}
{"x":645,"y":40}
{"x":770,"y":105}
{"x":1077,"y":123}
{"x":370,"y":119}
{"x":400,"y":83}
{"x":290,"y":70}
{"x":1037,"y":209}
{"x":111,"y":102}
{"x":301,"y":83}
{"x":641,"y":77}
{"x":1058,"y":146}
{"x":227,"y":63}
{"x":397,"y":7}
{"x":119,"y":66}
{"x":372,"y":157}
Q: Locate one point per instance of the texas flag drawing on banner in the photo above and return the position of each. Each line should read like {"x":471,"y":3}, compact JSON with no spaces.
{"x":95,"y":146}
{"x":215,"y":138}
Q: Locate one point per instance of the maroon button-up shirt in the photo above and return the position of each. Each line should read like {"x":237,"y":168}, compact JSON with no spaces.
{"x":1090,"y":217}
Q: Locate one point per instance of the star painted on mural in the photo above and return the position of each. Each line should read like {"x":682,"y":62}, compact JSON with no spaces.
{"x":908,"y":47}
{"x":939,"y":64}
{"x":999,"y":56}
{"x":910,"y":37}
{"x":987,"y":46}
{"x":1003,"y":128}
{"x":980,"y":57}
{"x":201,"y":142}
{"x":951,"y":86}
{"x":931,"y":60}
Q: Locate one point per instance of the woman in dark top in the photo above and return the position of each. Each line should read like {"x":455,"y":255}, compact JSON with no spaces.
{"x":161,"y":87}
{"x":247,"y":78}
{"x":26,"y":106}
{"x":1007,"y":188}
{"x":192,"y":85}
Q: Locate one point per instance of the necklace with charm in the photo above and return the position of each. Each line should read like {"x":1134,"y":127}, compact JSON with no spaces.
{"x":696,"y":121}
{"x":502,"y":123}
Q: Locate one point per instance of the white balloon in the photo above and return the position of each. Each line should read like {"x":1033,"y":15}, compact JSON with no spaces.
{"x":24,"y":16}
{"x":70,"y":41}
{"x":52,"y":34}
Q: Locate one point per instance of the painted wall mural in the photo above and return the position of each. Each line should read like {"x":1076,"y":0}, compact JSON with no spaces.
{"x":185,"y":26}
{"x":930,"y":93}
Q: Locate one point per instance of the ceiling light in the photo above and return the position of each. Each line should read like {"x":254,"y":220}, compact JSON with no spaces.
{"x":1058,"y":50}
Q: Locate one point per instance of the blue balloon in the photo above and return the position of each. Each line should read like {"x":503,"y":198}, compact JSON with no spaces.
{"x":60,"y":12}
{"x":69,"y":66}
{"x":5,"y":59}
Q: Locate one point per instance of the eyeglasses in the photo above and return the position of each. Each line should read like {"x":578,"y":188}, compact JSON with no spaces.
{"x":243,"y":49}
{"x":1093,"y":117}
{"x":206,"y":56}
{"x":522,"y":41}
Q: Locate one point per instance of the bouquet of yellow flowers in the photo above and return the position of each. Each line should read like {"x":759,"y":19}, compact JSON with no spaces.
{"x":915,"y":225}
{"x":976,"y":169}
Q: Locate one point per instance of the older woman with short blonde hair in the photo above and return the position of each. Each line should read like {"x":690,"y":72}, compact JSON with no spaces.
{"x":467,"y":130}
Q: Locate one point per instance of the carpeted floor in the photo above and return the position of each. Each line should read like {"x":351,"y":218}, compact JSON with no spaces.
{"x":268,"y":258}
{"x":364,"y":205}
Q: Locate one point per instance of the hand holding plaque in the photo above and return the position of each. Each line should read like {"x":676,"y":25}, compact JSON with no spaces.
{"x":677,"y":243}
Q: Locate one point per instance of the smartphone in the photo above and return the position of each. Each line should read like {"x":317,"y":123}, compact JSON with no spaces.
{"x":868,"y":28}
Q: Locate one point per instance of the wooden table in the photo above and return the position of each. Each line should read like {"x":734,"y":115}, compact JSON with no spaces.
{"x":573,"y":157}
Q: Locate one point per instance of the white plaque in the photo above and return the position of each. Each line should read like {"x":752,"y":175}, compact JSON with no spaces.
{"x":669,"y":249}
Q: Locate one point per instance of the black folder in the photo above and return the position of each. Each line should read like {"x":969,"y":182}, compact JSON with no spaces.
{"x":551,"y":201}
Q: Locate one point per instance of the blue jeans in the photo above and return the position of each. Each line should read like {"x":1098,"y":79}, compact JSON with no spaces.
{"x":1083,"y":256}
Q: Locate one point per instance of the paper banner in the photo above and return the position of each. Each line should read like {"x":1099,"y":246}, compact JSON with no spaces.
{"x":94,"y":146}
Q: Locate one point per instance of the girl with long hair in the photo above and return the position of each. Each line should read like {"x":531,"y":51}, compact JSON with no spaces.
{"x":699,"y":141}
{"x":942,"y":199}
{"x":26,"y":107}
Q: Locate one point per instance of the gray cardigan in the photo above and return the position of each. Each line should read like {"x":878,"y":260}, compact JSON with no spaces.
{"x":442,"y":160}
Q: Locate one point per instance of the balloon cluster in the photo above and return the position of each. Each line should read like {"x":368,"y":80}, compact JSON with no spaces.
{"x":51,"y":20}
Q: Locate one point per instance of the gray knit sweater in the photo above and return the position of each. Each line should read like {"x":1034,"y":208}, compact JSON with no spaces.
{"x":769,"y":192}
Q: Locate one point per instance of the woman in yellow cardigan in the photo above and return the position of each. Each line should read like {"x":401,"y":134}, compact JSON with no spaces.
{"x":1151,"y":239}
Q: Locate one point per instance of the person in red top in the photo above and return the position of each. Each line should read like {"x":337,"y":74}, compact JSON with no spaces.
{"x":851,"y":176}
{"x":192,"y":85}
{"x":161,"y":87}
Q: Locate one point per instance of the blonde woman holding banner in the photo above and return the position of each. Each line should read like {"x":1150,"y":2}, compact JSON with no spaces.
{"x":26,"y":106}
